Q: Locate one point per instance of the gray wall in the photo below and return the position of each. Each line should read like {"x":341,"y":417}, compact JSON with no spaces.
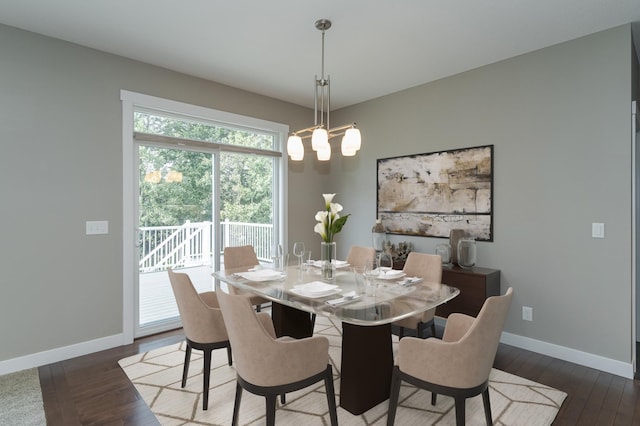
{"x":61,"y":165}
{"x":558,"y":117}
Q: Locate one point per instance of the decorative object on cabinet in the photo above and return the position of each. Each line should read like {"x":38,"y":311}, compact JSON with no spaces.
{"x":379,"y":236}
{"x":398,"y":253}
{"x":430,"y":194}
{"x":444,"y":251}
{"x":454,"y":236}
{"x":466,"y":252}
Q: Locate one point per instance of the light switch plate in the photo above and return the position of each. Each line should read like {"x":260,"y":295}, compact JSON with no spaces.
{"x":597,"y":230}
{"x":97,"y":227}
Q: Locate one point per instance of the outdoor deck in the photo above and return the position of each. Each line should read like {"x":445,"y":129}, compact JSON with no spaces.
{"x":156,"y":296}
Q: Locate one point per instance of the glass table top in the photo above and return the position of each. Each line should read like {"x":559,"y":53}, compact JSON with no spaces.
{"x":394,"y":298}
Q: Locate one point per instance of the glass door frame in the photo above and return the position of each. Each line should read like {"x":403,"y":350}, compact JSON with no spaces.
{"x":131,"y":100}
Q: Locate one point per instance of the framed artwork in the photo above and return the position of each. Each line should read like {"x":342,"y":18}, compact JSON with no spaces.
{"x":430,"y":194}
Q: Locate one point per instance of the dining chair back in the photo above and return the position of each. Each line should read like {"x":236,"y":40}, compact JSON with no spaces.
{"x":240,"y":257}
{"x":429,"y":268}
{"x":243,"y":257}
{"x":460,"y":364}
{"x":359,"y":256}
{"x":203,"y":326}
{"x":270,"y":366}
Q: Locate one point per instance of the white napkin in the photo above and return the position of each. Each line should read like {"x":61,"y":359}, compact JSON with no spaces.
{"x":348,"y":297}
{"x":261,"y":275}
{"x":409,"y":280}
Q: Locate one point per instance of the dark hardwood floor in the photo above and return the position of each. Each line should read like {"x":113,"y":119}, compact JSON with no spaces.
{"x":93,"y":390}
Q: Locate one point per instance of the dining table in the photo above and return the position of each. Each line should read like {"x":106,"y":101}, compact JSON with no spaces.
{"x":299,"y":292}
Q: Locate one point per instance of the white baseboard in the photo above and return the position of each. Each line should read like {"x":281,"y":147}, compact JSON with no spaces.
{"x":60,"y":354}
{"x":608,"y":365}
{"x":598,"y":362}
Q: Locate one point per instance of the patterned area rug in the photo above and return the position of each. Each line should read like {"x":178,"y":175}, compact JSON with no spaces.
{"x":157,"y":375}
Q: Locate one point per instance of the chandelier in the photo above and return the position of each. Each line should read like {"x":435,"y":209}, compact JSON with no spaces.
{"x":321,"y":132}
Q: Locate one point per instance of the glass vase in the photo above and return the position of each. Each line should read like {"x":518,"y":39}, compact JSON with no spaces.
{"x":467,"y":252}
{"x":328,"y":261}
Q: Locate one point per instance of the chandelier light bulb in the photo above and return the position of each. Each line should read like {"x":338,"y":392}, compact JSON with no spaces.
{"x":324,"y":152}
{"x":319,"y":138}
{"x":354,"y":139}
{"x":295,"y":148}
{"x":346,"y":149}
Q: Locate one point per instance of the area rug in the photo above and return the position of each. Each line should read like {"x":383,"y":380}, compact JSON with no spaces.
{"x":157,"y":377}
{"x":21,"y":399}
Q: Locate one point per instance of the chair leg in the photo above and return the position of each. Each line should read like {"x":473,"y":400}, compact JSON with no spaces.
{"x":271,"y":409}
{"x":236,"y":405}
{"x":433,"y":329}
{"x":229,"y":357}
{"x":420,"y":330}
{"x":258,"y":308}
{"x":460,"y":411}
{"x":394,"y":394}
{"x":487,"y":407}
{"x":283,"y":398}
{"x":185,"y":370}
{"x":313,"y":322}
{"x":207,"y":376}
{"x":401,"y":333}
{"x":434,"y":398}
{"x":331,"y":396}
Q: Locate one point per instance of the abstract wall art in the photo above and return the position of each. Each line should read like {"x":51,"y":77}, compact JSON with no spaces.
{"x":430,"y":194}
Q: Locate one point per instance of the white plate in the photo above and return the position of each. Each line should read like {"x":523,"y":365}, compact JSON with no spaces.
{"x":315,"y":289}
{"x":261,"y":275}
{"x":316,"y":294}
{"x":391,"y":275}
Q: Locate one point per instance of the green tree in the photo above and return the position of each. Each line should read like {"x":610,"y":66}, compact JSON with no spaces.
{"x":246,"y":180}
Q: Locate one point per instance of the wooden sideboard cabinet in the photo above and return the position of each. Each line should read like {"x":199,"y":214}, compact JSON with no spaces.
{"x":475,"y":285}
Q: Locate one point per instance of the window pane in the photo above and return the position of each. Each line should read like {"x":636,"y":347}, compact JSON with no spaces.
{"x":246,"y":201}
{"x":146,"y":122}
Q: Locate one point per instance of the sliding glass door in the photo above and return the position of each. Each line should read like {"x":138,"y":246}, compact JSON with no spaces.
{"x":175,"y":228}
{"x":201,"y":186}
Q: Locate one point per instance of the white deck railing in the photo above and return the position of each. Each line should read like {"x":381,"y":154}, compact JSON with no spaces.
{"x":164,"y":247}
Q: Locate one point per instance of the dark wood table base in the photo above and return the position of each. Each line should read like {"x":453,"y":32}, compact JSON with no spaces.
{"x":367,"y":364}
{"x":289,"y":321}
{"x":367,"y":357}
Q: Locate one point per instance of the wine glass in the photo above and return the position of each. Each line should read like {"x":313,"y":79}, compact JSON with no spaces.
{"x":372,"y":272}
{"x":385,"y":262}
{"x":276,"y":255}
{"x":298,"y":251}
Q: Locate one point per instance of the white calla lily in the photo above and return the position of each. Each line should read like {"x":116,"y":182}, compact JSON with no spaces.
{"x":327,"y":199}
{"x":329,"y":221}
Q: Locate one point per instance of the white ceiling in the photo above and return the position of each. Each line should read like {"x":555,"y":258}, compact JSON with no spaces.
{"x":271,"y":47}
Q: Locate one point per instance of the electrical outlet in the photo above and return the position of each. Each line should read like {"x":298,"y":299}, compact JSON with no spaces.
{"x":527,"y":313}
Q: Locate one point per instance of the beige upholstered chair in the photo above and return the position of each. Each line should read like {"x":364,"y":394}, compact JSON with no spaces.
{"x":358,"y":256}
{"x":429,"y":268}
{"x":270,"y":366}
{"x":243,"y":257}
{"x":203,"y":326}
{"x":459,"y":365}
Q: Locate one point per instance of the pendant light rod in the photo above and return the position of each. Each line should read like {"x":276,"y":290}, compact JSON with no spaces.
{"x":323,"y":86}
